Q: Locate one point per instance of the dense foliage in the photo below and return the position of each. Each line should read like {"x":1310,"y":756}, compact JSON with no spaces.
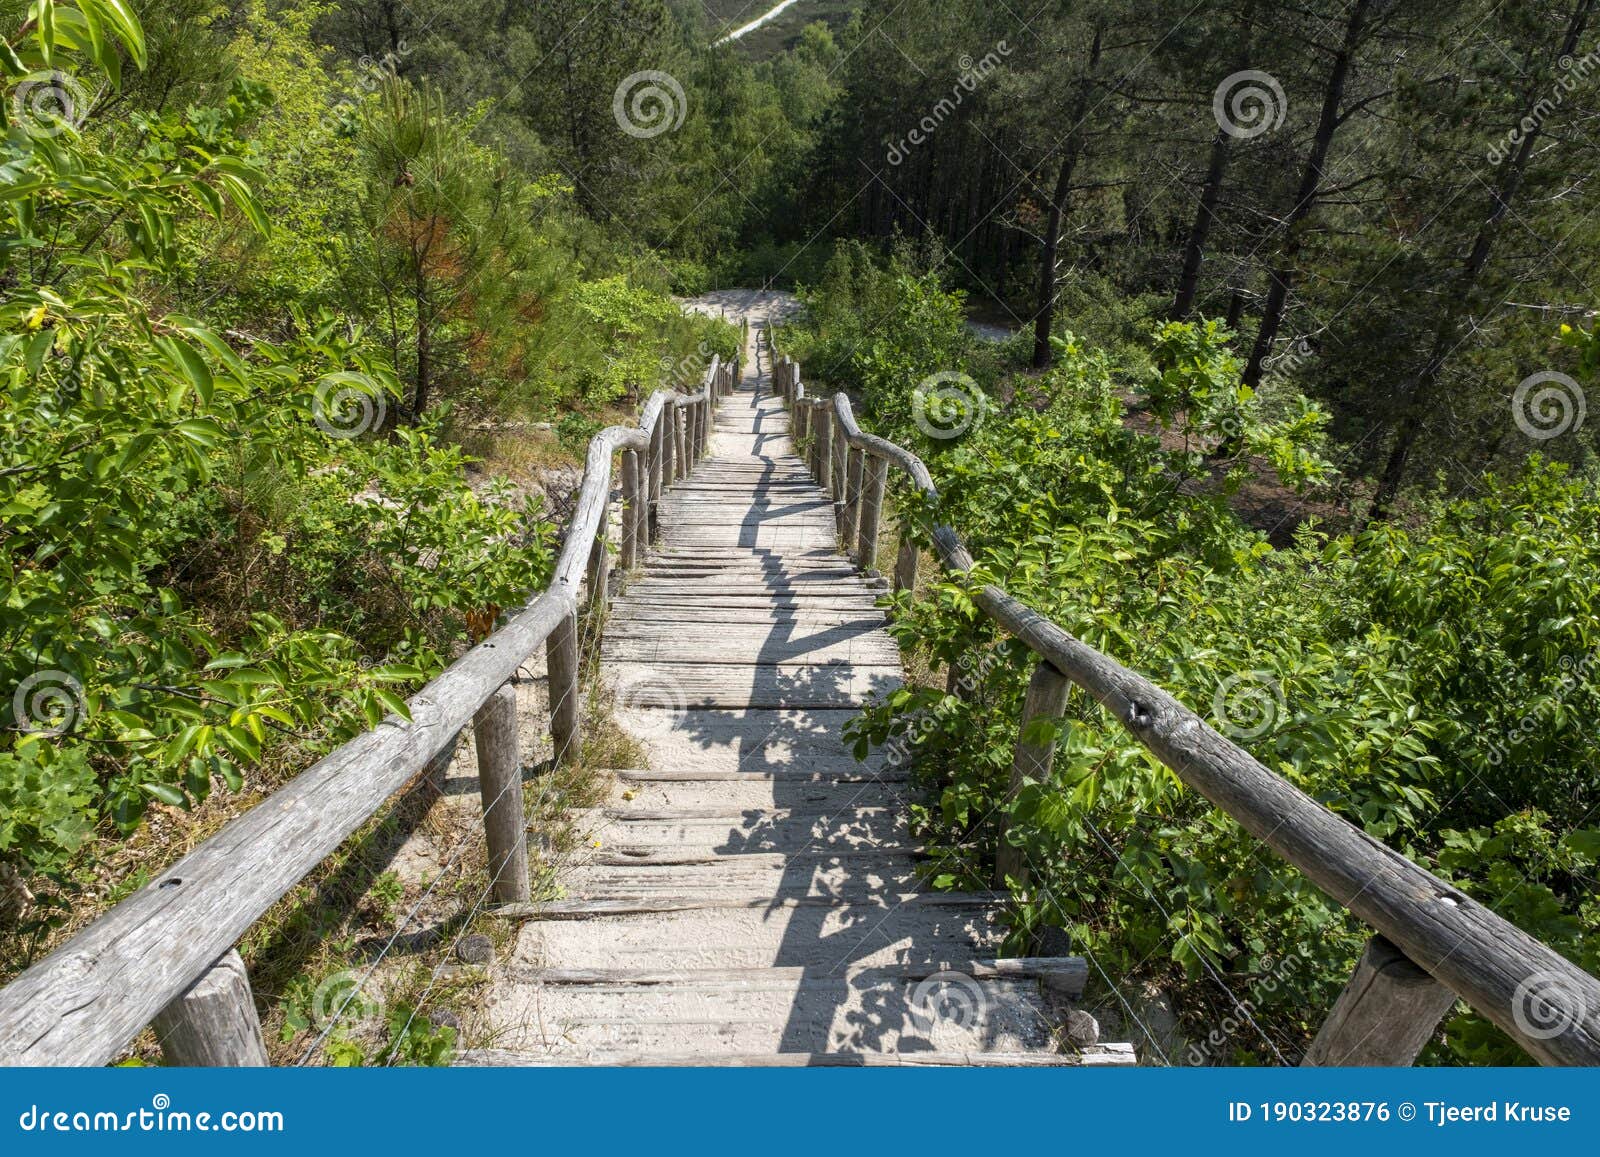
{"x":1429,"y":684}
{"x":235,"y":524}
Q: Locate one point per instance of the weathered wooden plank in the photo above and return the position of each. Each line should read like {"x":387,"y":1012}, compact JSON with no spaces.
{"x":769,"y":648}
{"x":500,"y":788}
{"x":1045,"y":701}
{"x":595,"y":909}
{"x":633,"y":545}
{"x":1386,"y":1014}
{"x":786,"y":775}
{"x":1065,"y":974}
{"x":561,"y":653}
{"x":213,"y":1023}
{"x":1094,"y":1055}
{"x":723,"y":685}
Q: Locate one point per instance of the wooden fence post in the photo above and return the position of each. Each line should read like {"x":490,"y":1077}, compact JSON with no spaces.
{"x":213,"y":1022}
{"x":680,"y":440}
{"x":505,"y":825}
{"x":824,"y":452}
{"x":661,"y":474}
{"x":905,"y":565}
{"x":597,"y":576}
{"x":1046,"y":699}
{"x":877,"y":477}
{"x":839,"y":471}
{"x":855,"y":469}
{"x":1385,"y":1015}
{"x":561,"y":655}
{"x":632,"y":509}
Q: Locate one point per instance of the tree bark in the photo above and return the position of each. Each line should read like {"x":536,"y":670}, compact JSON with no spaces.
{"x":1194,"y":249}
{"x":1045,"y":311}
{"x":424,"y":383}
{"x":1282,"y":276}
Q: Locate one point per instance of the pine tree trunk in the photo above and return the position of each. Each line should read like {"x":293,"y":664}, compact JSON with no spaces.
{"x":1194,"y":249}
{"x":1045,"y":308}
{"x":424,"y":384}
{"x":1282,"y":276}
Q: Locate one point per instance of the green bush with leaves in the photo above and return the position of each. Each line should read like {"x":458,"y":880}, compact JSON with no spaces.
{"x":1428,"y":684}
{"x":209,"y":548}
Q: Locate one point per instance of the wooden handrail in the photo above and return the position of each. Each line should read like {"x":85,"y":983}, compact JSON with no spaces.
{"x":1546,"y":1003}
{"x":144,"y":958}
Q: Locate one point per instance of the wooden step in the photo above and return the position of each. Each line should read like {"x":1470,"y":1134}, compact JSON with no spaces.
{"x":758,"y":933}
{"x":1095,"y":1055}
{"x":778,"y":878}
{"x":774,"y":644}
{"x":753,"y":830}
{"x":811,"y":793}
{"x":724,"y":685}
{"x":775,"y":1011}
{"x":808,"y":741}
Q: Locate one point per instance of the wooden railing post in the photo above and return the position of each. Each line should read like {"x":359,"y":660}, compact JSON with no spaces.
{"x":561,"y":654}
{"x":1046,"y":699}
{"x":905,"y":564}
{"x":823,"y":466}
{"x":632,"y":510}
{"x":213,"y":1022}
{"x":505,"y":825}
{"x":1386,"y":1014}
{"x":876,"y":471}
{"x":662,"y":474}
{"x":839,"y":471}
{"x":597,"y":575}
{"x":680,"y":439}
{"x":855,"y":468}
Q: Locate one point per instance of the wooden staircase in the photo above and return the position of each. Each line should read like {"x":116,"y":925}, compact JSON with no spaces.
{"x":754,"y":899}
